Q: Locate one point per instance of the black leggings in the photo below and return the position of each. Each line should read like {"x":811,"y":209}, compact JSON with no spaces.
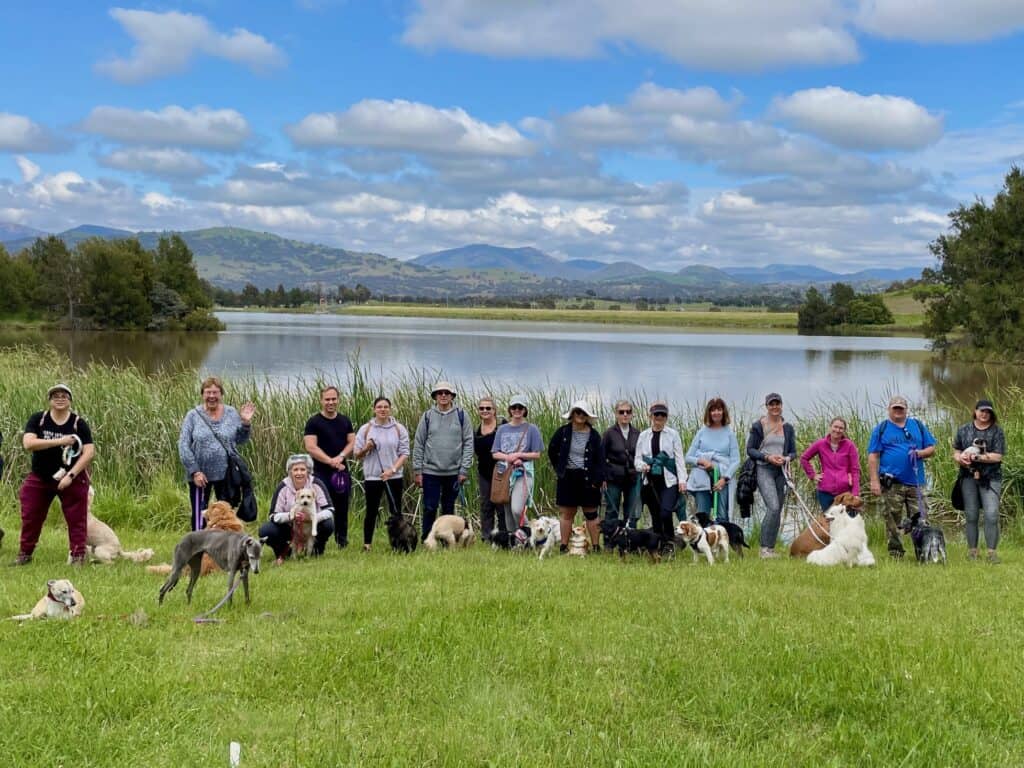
{"x":660,"y":501}
{"x":374,"y":491}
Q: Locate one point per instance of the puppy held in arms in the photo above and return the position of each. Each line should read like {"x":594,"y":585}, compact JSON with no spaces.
{"x":848,"y":541}
{"x":61,"y":601}
{"x":451,"y":531}
{"x":303,"y":519}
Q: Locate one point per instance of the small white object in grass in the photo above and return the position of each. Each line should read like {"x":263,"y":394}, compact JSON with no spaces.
{"x":235,"y":753}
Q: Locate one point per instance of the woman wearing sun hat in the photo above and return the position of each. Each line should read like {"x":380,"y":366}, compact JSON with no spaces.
{"x":662,"y":461}
{"x":576,"y":454}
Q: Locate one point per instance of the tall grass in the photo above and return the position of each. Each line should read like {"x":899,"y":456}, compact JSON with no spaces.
{"x":136,"y":418}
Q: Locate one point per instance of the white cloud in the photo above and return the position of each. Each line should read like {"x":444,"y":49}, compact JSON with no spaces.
{"x":173,"y":163}
{"x":930,"y":21}
{"x":851,"y":120}
{"x":29,"y":170}
{"x":159,"y":203}
{"x":19,"y":134}
{"x":921,"y":216}
{"x":732,"y":36}
{"x":166,"y":44}
{"x":602,"y":125}
{"x":172,"y":126}
{"x":408,"y":126}
{"x":697,"y":102}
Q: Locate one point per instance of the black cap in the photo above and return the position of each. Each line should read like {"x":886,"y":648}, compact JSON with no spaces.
{"x":771,"y":397}
{"x":984,"y":405}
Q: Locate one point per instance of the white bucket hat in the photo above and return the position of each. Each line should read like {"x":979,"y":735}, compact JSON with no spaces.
{"x":579,"y":405}
{"x":443,"y":386}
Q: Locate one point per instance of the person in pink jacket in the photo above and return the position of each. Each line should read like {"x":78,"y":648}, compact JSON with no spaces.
{"x":839,"y":463}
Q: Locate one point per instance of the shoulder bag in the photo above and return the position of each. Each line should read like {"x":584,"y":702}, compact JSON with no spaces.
{"x":239,"y":478}
{"x":501,"y":478}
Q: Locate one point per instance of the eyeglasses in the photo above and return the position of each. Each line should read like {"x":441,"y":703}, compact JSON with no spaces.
{"x":517,"y":407}
{"x":625,"y":413}
{"x":485,"y":408}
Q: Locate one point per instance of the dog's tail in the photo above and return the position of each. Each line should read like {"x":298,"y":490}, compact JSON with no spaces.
{"x":21,"y":617}
{"x":163,"y":569}
{"x":138,"y":555}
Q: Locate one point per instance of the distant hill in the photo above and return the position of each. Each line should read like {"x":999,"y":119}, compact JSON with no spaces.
{"x":483,"y":257}
{"x":805,"y":274}
{"x":13,"y":233}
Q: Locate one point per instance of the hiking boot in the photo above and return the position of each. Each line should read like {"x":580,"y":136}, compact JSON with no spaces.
{"x":972,"y":554}
{"x":563,"y":549}
{"x":22,"y":559}
{"x":768,"y":553}
{"x":993,"y":558}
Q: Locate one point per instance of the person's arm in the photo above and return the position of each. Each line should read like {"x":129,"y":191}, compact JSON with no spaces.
{"x":642,"y":444}
{"x":805,"y":459}
{"x":32,"y":443}
{"x":994,"y":454}
{"x":350,"y":445}
{"x":876,"y":485}
{"x":244,"y":431}
{"x":692,"y":451}
{"x":467,"y":449}
{"x":854,"y":455}
{"x":309,"y":442}
{"x":280,"y":513}
{"x":789,"y":449}
{"x":418,"y":445}
{"x":555,"y":446}
{"x":927,"y":442}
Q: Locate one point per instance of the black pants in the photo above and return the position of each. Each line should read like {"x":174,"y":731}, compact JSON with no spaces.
{"x":340,"y":503}
{"x":660,"y":501}
{"x":375,"y":490}
{"x":438,"y":490}
{"x":199,"y":499}
{"x":279,"y":536}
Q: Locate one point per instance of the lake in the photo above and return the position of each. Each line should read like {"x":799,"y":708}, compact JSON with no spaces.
{"x":599,"y":361}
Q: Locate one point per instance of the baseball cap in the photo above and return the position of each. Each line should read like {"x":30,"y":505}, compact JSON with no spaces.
{"x":658,"y":408}
{"x":899,"y":401}
{"x":59,"y":388}
{"x":984,"y":405}
{"x":772,"y":397}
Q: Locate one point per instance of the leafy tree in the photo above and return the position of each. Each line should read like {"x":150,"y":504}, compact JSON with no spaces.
{"x":976,"y":287}
{"x":176,"y":270}
{"x":117,"y":279}
{"x":168,"y":308}
{"x":16,"y":283}
{"x":869,"y":309}
{"x":250,"y":295}
{"x":815,"y":313}
{"x":58,"y":277}
{"x":840,"y":296}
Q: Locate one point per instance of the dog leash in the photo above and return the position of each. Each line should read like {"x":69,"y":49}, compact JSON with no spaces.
{"x":808,"y":515}
{"x":921,"y":510}
{"x":204,"y":618}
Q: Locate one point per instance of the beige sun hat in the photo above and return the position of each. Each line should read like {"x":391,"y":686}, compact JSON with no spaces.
{"x":443,"y":386}
{"x":579,"y":405}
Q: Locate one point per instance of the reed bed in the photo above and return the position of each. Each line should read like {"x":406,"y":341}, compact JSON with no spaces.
{"x":136,"y":418}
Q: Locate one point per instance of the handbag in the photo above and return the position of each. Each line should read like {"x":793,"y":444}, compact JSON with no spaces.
{"x":501,"y":478}
{"x":239,"y":478}
{"x":341,"y":481}
{"x":957,"y":496}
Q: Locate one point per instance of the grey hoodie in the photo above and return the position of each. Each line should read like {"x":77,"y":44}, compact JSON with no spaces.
{"x":443,"y":445}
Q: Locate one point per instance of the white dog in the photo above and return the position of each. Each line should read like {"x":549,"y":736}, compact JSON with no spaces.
{"x":545,"y":532}
{"x":102,"y":544}
{"x":451,"y":530}
{"x":62,"y":601}
{"x":710,"y":541}
{"x":849,"y":541}
{"x":304,"y":534}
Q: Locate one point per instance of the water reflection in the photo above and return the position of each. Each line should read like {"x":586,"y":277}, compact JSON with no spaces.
{"x":150,"y":352}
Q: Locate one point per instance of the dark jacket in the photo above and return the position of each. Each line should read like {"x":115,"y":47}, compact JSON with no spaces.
{"x":756,"y":438}
{"x":619,"y":454}
{"x":593,"y":454}
{"x":482,"y":446}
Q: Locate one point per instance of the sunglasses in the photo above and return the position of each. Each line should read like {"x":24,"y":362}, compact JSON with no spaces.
{"x":625,"y":413}
{"x":485,"y":408}
{"x":577,"y":413}
{"x":517,"y":407}
{"x":303,"y":457}
{"x":443,"y":392}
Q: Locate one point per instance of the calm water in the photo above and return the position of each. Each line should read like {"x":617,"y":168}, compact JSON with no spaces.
{"x":599,"y":361}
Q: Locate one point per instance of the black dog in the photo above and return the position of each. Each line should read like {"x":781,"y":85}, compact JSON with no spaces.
{"x":929,"y":540}
{"x":517,"y":539}
{"x":737,"y":541}
{"x":618,"y":536}
{"x":401,"y":533}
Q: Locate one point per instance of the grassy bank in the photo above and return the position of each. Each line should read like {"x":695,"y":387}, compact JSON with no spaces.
{"x":136,"y":420}
{"x":483,"y":658}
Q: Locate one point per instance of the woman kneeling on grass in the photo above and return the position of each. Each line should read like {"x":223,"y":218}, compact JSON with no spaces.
{"x":576,"y":454}
{"x":383,"y":445}
{"x":278,"y":529}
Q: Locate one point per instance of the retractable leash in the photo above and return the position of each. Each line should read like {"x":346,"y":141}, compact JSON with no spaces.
{"x":714,"y":493}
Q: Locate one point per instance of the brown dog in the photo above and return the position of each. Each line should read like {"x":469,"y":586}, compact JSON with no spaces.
{"x":816,"y":536}
{"x":219,"y":516}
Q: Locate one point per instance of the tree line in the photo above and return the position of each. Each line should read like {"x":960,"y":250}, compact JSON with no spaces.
{"x":106,"y":284}
{"x":843,"y":306}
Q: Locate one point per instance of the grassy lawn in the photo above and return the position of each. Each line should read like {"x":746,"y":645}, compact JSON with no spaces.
{"x":484,"y":658}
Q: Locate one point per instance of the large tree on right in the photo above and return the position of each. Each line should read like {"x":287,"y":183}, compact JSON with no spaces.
{"x":975,"y":295}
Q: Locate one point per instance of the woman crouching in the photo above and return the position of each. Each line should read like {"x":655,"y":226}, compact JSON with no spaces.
{"x":278,"y":529}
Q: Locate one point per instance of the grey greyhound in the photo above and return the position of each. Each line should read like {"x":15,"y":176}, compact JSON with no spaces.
{"x":233,"y":552}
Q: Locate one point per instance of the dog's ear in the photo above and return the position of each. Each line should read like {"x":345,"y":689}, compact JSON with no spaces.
{"x":50,"y":583}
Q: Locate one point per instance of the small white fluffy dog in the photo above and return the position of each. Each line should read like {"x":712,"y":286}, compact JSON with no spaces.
{"x":451,"y":530}
{"x":544,"y":534}
{"x":304,"y":507}
{"x":102,"y":544}
{"x":849,"y":541}
{"x":61,"y":601}
{"x":710,"y":541}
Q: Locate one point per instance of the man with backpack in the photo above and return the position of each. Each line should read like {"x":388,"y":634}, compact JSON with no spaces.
{"x":896,"y":453}
{"x":61,"y":445}
{"x":442,"y":453}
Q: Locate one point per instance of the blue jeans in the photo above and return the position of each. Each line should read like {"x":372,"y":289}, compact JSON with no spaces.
{"x":982,"y":499}
{"x":825,"y":499}
{"x":622,"y":497}
{"x":438,"y":489}
{"x":703,"y":500}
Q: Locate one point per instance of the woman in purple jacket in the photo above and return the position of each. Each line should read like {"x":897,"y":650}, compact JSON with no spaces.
{"x":839,"y":464}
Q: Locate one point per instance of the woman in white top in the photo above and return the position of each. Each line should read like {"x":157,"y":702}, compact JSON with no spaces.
{"x":660,"y":457}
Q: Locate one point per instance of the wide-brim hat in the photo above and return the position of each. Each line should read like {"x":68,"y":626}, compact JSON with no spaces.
{"x":443,"y":386}
{"x":579,"y":405}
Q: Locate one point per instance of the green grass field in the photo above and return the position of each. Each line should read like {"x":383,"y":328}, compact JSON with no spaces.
{"x":484,"y":658}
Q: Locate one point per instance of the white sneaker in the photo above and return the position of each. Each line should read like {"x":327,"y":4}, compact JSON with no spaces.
{"x":767,"y":553}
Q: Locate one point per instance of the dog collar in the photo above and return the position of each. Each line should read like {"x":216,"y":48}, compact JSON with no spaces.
{"x":49,"y":594}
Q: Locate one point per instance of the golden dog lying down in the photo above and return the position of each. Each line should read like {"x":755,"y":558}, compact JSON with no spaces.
{"x":61,"y":601}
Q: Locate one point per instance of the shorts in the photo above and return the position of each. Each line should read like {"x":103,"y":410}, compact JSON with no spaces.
{"x":573,"y":490}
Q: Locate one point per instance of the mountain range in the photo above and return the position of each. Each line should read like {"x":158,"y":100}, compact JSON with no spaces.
{"x":231,"y":257}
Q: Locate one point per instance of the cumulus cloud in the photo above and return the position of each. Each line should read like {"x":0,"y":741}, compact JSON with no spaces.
{"x":29,"y":170}
{"x":167,"y":43}
{"x":694,"y":32}
{"x":172,"y":126}
{"x":173,"y":163}
{"x":851,"y":120}
{"x":701,"y":101}
{"x":20,"y":134}
{"x":932,"y":21}
{"x":408,"y":126}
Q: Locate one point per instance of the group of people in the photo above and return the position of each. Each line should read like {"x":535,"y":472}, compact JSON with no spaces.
{"x":626,"y":468}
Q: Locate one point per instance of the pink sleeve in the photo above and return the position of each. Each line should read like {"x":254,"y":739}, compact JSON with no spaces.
{"x":805,"y":458}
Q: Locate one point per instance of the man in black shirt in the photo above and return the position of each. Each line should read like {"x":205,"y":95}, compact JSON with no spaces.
{"x":62,"y":449}
{"x":329,"y":439}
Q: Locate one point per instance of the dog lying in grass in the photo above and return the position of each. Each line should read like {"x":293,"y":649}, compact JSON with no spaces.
{"x":618,"y":536}
{"x":929,"y":540}
{"x":303,"y":519}
{"x":710,"y":542}
{"x":102,"y":544}
{"x":61,"y":601}
{"x":401,"y":534}
{"x":545,"y":532}
{"x":848,"y":541}
{"x":219,"y":516}
{"x":451,"y":531}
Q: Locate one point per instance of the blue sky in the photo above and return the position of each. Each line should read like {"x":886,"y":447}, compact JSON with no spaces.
{"x":837,"y":132}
